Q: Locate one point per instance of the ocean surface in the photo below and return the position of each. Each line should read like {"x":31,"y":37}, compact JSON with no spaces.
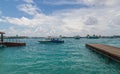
{"x":71,"y":57}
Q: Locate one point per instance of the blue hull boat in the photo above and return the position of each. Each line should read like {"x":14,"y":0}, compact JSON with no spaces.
{"x":52,"y":40}
{"x":93,"y":37}
{"x":77,"y":37}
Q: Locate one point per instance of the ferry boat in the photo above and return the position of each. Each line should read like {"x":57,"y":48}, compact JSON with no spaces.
{"x":52,"y":40}
{"x":93,"y":37}
{"x":77,"y":37}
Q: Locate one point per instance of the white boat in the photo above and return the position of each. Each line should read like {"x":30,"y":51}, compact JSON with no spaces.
{"x":52,"y":40}
{"x":77,"y":37}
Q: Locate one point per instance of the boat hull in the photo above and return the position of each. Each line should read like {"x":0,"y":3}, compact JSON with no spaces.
{"x":93,"y":38}
{"x":51,"y":41}
{"x":77,"y":38}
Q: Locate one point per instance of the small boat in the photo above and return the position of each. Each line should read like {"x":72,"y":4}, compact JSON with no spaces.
{"x":77,"y":37}
{"x":93,"y":37}
{"x":52,"y":40}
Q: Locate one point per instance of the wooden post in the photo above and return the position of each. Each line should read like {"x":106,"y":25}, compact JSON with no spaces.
{"x":1,"y":37}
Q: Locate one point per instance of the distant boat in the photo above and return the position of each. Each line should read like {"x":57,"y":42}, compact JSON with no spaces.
{"x":52,"y":40}
{"x":93,"y":37}
{"x":77,"y":37}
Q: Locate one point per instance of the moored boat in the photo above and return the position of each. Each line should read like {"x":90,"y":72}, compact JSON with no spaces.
{"x":77,"y":37}
{"x":52,"y":40}
{"x":93,"y":37}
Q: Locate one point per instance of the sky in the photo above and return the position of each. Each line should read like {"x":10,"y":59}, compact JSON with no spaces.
{"x":43,"y":18}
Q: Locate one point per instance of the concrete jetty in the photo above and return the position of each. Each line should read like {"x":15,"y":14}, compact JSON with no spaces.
{"x":107,"y":50}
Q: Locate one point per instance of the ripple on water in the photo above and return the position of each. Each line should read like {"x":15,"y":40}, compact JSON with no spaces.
{"x":69,"y":58}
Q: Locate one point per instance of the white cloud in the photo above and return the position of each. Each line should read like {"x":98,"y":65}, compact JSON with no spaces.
{"x":101,"y":2}
{"x":22,"y":21}
{"x":85,"y":2}
{"x":101,"y":20}
{"x":1,"y":18}
{"x":28,"y":1}
{"x":61,"y":2}
{"x":29,"y":9}
{"x":0,"y":12}
{"x":91,"y":21}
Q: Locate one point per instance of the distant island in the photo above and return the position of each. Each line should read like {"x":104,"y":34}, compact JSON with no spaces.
{"x":23,"y":37}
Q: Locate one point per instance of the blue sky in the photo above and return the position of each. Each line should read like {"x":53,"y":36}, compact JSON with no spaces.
{"x":9,"y":7}
{"x":59,"y":17}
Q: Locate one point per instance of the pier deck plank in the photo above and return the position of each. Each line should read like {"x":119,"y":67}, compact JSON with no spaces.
{"x":110,"y":51}
{"x":12,"y":44}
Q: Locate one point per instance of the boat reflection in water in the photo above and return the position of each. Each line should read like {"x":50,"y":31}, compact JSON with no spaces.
{"x":52,"y":40}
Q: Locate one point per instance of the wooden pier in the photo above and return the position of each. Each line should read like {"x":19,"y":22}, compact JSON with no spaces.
{"x":10,"y":44}
{"x":107,"y":50}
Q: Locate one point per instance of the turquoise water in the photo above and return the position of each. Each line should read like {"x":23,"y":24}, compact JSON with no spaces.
{"x":71,"y":57}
